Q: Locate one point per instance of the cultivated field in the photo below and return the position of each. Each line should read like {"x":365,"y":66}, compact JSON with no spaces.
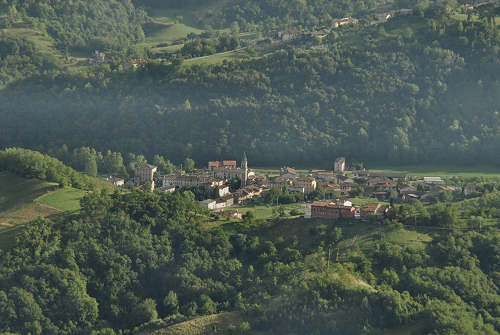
{"x":23,"y":200}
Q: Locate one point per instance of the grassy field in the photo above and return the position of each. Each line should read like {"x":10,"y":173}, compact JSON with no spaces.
{"x":218,"y":58}
{"x":443,"y":171}
{"x":18,"y":206}
{"x":366,"y":235}
{"x":417,"y":170}
{"x":23,"y":200}
{"x":201,"y":325}
{"x":66,"y":199}
{"x":17,"y":192}
{"x":463,"y":17}
{"x":43,"y":42}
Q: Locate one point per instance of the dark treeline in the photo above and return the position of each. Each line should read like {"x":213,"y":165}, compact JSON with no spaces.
{"x":128,"y":259}
{"x":94,"y":162}
{"x":401,"y":96}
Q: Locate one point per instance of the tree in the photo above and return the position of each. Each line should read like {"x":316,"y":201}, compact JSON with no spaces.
{"x":189,"y":165}
{"x":208,"y":306}
{"x":91,"y":166}
{"x":145,"y":312}
{"x":171,"y":303}
{"x":234,"y":184}
{"x":164,"y":166}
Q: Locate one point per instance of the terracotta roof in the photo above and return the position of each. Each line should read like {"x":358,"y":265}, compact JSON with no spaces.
{"x":228,"y":162}
{"x":329,"y":205}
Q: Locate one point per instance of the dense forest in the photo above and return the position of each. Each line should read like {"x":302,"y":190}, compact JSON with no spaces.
{"x":83,"y":25}
{"x":19,"y":58}
{"x":416,"y":89}
{"x":129,"y":259}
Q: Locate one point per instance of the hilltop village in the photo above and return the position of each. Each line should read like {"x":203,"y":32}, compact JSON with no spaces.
{"x":324,"y":193}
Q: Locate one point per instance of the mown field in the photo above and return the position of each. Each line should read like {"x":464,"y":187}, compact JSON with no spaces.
{"x":479,"y":171}
{"x":17,"y":192}
{"x":23,"y":200}
{"x":443,"y":171}
{"x":67,"y":199}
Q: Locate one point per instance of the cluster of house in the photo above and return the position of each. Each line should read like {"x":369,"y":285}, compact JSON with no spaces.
{"x":336,"y":185}
{"x":289,"y":34}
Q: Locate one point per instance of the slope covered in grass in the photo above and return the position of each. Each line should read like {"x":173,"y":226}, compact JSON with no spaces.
{"x":17,"y":192}
{"x":67,"y":199}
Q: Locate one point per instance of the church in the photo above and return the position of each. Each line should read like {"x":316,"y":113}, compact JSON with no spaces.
{"x":228,"y":170}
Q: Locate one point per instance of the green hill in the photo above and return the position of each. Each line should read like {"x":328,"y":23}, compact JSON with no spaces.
{"x":203,"y":325}
{"x":23,"y":200}
{"x":416,"y":89}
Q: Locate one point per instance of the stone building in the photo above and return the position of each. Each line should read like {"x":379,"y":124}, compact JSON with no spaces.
{"x":332,"y":210}
{"x":339,"y":165}
{"x":227,"y":170}
{"x":180,"y":180}
{"x":144,"y":173}
{"x":307,"y":183}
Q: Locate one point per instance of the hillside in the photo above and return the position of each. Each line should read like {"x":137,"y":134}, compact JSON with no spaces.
{"x":18,"y":204}
{"x":78,"y":25}
{"x":23,"y":200}
{"x":413,"y":90}
{"x":34,"y":185}
{"x":219,"y":323}
{"x":143,"y":263}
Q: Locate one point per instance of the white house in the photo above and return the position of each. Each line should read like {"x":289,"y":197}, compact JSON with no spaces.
{"x":223,"y":190}
{"x":433,"y":180}
{"x":208,"y":204}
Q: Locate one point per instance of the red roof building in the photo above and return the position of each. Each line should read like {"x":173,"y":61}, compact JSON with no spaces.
{"x":330,"y":210}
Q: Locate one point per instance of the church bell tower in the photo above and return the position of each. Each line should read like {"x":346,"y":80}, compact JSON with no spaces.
{"x":244,"y":170}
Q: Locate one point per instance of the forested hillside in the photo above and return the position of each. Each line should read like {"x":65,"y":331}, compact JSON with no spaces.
{"x":415,"y":89}
{"x":78,"y":25}
{"x":268,"y":15}
{"x":129,"y":259}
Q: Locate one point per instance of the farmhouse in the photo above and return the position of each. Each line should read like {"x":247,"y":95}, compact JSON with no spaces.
{"x":383,"y":17}
{"x":119,"y":182}
{"x":286,"y":35}
{"x":346,"y":20}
